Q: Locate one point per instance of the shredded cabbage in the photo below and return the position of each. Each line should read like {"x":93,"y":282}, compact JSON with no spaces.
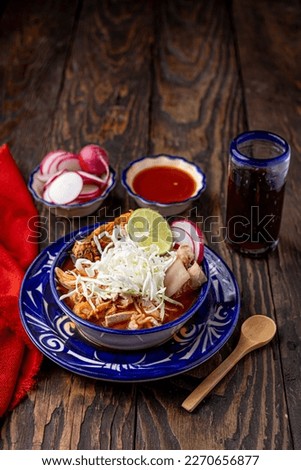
{"x":125,"y":268}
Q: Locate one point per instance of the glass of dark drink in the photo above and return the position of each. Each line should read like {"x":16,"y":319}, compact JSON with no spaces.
{"x":258,"y":166}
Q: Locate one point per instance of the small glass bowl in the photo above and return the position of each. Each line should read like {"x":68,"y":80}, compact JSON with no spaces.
{"x":181,"y":163}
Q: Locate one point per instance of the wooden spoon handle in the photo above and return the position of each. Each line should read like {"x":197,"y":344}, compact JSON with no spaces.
{"x":209,"y":382}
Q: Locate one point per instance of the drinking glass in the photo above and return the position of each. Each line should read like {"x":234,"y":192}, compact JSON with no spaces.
{"x":258,"y":167}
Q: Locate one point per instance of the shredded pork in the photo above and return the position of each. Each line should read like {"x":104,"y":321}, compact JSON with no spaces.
{"x":93,"y":294}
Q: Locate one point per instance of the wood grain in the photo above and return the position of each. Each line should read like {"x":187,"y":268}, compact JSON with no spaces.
{"x":272,"y":92}
{"x":256,"y":331}
{"x":179,"y":77}
{"x":106,"y":91}
{"x":201,"y":63}
{"x":34,"y":47}
{"x":102,"y":96}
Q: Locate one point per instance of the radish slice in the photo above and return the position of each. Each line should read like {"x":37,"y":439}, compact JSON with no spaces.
{"x":88,"y":178}
{"x":181,"y":237}
{"x":46,"y":196}
{"x":89,"y":191}
{"x":94,"y":159}
{"x":59,"y":160}
{"x":53,"y":177}
{"x":69,"y":163}
{"x":192,"y":235}
{"x":65,"y":188}
{"x":69,"y":178}
{"x":42,"y":178}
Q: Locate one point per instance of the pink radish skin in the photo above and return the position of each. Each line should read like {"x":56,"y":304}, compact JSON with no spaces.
{"x":42,"y":178}
{"x":181,"y":237}
{"x":88,"y":178}
{"x":89,"y":191}
{"x":196,"y":235}
{"x":65,"y":188}
{"x":70,"y":163}
{"x":59,"y":160}
{"x":89,"y":175}
{"x":94,"y":159}
{"x":46,"y":196}
{"x":53,"y":177}
{"x":193,"y":233}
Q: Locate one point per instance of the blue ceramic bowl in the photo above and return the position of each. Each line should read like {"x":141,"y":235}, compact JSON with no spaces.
{"x":127,"y":340}
{"x":181,"y":163}
{"x":35,"y":186}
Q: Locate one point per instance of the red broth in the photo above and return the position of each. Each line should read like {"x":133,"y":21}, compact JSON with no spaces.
{"x":164,"y":184}
{"x":186,"y":300}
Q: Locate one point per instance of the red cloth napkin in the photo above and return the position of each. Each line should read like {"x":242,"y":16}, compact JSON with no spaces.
{"x":19,"y":358}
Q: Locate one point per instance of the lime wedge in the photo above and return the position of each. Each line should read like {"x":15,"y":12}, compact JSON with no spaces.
{"x":147,"y":227}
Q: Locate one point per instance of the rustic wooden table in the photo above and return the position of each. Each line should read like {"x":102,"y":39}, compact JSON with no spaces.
{"x":180,"y":77}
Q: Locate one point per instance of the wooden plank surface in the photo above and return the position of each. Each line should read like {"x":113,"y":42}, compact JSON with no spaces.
{"x":271,"y":69}
{"x":103,"y":98}
{"x":198,"y":107}
{"x":35,"y":42}
{"x":181,"y":78}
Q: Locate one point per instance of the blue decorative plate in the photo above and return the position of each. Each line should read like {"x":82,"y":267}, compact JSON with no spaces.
{"x":56,"y":337}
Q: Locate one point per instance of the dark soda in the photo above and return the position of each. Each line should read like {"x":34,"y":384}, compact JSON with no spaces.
{"x":258,"y":166}
{"x":254,"y":208}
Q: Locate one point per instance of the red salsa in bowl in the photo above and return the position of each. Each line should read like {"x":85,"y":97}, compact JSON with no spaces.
{"x":166,"y":183}
{"x":178,"y":184}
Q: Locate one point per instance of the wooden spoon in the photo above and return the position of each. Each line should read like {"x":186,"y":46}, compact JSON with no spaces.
{"x":256,"y":331}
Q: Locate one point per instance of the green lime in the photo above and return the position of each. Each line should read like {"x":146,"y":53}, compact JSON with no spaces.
{"x":147,"y":227}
